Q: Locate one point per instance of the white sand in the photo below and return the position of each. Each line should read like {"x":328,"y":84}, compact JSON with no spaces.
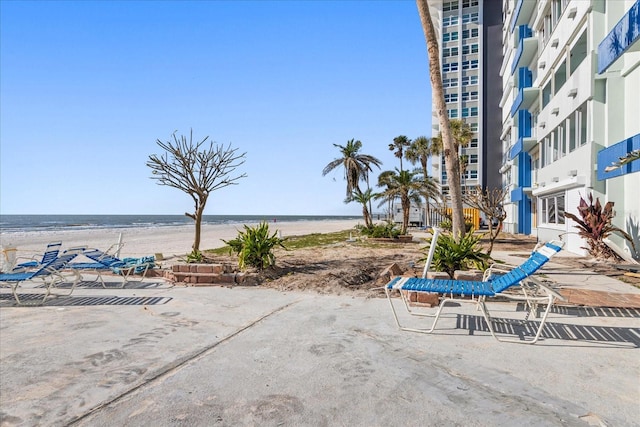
{"x":169,"y":241}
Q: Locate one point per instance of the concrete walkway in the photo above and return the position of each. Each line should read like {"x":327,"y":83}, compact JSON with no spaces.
{"x":162,"y":355}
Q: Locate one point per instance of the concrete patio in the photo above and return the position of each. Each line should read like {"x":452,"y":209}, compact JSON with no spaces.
{"x":163,"y":355}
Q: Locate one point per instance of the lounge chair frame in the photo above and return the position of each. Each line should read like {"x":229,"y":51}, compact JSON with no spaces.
{"x":103,"y":261}
{"x":49,"y":274}
{"x":50,"y":253}
{"x":530,"y":291}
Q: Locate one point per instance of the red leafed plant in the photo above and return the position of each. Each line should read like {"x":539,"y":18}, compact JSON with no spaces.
{"x":595,"y":225}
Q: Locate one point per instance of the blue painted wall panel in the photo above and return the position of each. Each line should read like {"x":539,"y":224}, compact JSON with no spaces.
{"x":612,"y":154}
{"x":621,"y":37}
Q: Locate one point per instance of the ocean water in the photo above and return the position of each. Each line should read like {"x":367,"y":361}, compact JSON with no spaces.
{"x":21,"y":223}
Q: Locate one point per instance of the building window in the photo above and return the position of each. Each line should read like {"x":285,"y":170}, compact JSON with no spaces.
{"x":449,"y":51}
{"x":582,"y":117}
{"x":451,"y":5}
{"x":474,"y":127}
{"x":450,"y":20}
{"x":450,"y":97}
{"x":469,"y":17}
{"x":473,"y":159}
{"x":560,"y":77}
{"x":450,"y":37}
{"x":470,"y":65}
{"x":469,"y":3}
{"x":546,"y":94}
{"x":449,"y":82}
{"x":470,"y":96}
{"x":556,"y":11}
{"x":453,"y":113}
{"x":469,"y":80}
{"x":578,"y":53}
{"x":451,"y":66}
{"x":572,"y":132}
{"x":472,"y":33}
{"x":473,"y":174}
{"x":470,"y":48}
{"x":470,"y":112}
{"x":552,"y":209}
{"x":473,"y":143}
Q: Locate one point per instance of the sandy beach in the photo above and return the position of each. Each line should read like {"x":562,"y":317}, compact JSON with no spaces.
{"x":168,"y":240}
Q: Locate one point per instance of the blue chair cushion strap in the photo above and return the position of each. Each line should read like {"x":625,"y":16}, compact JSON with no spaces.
{"x":15,"y":277}
{"x":447,"y":286}
{"x":88,"y":266}
{"x":28,"y":264}
{"x":554,"y":247}
{"x":393,"y":282}
{"x":101,"y":257}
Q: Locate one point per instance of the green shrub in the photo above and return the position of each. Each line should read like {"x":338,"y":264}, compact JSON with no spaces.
{"x":254,"y":246}
{"x":194,"y":257}
{"x":388,"y":229}
{"x":450,"y":255}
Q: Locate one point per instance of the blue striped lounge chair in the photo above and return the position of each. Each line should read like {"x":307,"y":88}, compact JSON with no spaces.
{"x":50,"y":253}
{"x":105,"y":262}
{"x":496,"y":281}
{"x":50,"y":274}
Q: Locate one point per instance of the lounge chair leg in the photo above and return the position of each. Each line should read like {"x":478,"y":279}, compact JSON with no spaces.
{"x":550,"y":300}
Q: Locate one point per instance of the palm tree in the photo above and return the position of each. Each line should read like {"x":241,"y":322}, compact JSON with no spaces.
{"x":406,"y":186}
{"x":461,"y":133}
{"x":364,"y":198}
{"x":356,"y":166}
{"x":400,"y":143}
{"x":419,"y":151}
{"x":452,"y":161}
{"x":462,"y":136}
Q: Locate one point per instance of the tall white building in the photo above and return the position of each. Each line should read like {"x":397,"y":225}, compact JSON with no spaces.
{"x":470,"y":34}
{"x":570,"y":109}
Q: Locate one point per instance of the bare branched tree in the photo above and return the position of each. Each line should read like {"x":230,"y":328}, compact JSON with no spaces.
{"x":491,"y":203}
{"x":196,"y":171}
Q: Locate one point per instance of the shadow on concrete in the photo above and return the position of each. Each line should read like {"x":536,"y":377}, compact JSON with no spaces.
{"x":561,"y":331}
{"x":34,"y":300}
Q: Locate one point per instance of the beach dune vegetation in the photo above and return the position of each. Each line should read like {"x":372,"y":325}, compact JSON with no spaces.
{"x":196,"y":169}
{"x":451,"y":254}
{"x":254,"y":246}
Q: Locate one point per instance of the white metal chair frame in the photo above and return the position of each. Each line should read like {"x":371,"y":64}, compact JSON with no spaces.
{"x":532,"y":293}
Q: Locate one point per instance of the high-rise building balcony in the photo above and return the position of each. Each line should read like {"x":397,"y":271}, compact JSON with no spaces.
{"x":522,"y":12}
{"x":523,"y":144}
{"x":525,"y":99}
{"x":527,"y":48}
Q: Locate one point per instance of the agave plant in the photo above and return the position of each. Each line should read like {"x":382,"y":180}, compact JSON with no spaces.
{"x":595,"y":225}
{"x":451,"y":255}
{"x":254,"y":246}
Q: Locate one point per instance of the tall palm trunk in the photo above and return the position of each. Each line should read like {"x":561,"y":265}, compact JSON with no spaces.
{"x":367,"y":216}
{"x":452,"y":162}
{"x":406,"y":207}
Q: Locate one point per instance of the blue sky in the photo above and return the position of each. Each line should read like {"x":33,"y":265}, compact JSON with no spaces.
{"x":87,"y":87}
